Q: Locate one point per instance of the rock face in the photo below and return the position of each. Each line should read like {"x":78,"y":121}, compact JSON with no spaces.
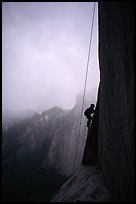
{"x":86,"y":186}
{"x":116,"y":114}
{"x":110,"y":141}
{"x":67,"y":145}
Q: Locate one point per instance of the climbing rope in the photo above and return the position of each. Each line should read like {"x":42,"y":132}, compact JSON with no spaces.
{"x":87,"y":66}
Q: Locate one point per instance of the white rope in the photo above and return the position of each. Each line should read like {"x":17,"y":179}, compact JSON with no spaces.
{"x":87,"y":66}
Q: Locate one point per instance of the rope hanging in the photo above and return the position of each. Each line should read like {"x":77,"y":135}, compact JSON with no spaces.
{"x":88,"y":58}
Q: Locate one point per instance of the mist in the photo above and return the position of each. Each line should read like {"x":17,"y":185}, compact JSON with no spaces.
{"x":44,"y":54}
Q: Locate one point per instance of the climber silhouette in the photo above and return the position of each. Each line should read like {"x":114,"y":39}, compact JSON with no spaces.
{"x":88,"y":112}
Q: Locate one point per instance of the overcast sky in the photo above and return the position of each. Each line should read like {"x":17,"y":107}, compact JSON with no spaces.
{"x":44,"y":53}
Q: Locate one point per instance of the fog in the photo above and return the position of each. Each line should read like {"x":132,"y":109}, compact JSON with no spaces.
{"x":44,"y":54}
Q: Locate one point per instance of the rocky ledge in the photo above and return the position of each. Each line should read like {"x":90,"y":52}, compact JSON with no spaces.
{"x":85,"y":186}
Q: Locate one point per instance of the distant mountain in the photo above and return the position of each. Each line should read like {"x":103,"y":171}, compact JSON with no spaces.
{"x":25,"y":145}
{"x":67,"y":145}
{"x":8,"y":117}
{"x":45,"y":142}
{"x":25,"y":114}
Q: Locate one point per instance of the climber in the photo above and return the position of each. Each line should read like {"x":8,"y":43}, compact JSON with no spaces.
{"x":88,"y":113}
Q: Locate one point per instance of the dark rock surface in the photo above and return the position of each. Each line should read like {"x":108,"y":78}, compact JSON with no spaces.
{"x":116,"y":117}
{"x":112,"y":144}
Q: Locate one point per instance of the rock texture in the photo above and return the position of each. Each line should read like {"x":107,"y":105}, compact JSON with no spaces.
{"x":116,"y":117}
{"x":86,"y":186}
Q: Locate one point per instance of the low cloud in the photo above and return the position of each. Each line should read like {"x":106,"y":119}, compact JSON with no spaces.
{"x":44,"y":53}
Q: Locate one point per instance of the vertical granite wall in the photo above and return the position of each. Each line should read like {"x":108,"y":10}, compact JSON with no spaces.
{"x":116,"y":110}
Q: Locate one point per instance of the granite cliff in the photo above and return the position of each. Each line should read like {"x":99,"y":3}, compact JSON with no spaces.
{"x":116,"y":117}
{"x":110,"y":141}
